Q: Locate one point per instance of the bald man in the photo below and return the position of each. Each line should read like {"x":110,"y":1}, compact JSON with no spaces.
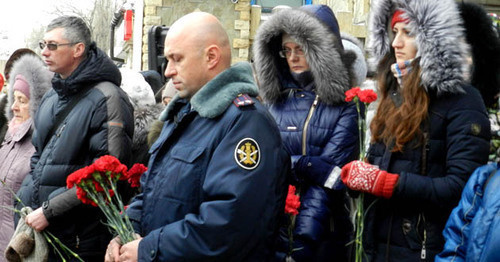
{"x":216,"y":180}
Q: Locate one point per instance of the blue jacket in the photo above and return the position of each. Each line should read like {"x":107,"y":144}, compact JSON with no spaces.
{"x":472,"y":231}
{"x":216,"y":178}
{"x":101,"y":123}
{"x":319,"y":129}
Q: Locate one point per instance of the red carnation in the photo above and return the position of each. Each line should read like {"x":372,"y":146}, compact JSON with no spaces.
{"x":96,"y":185}
{"x":134,"y":174}
{"x":292,"y":201}
{"x":82,"y":195}
{"x":367,"y":96}
{"x":110,"y":163}
{"x":351,"y":93}
{"x":76,"y":177}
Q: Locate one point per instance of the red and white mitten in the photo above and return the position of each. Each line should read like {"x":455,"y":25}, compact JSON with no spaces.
{"x":360,"y":176}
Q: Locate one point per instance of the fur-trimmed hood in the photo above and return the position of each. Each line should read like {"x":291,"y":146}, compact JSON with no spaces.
{"x":485,"y":50}
{"x":323,"y":53}
{"x":144,"y":117}
{"x":359,"y":67}
{"x":38,"y":77}
{"x":218,"y":94}
{"x":439,"y":36}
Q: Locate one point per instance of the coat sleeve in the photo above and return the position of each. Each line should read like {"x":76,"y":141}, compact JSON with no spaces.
{"x":240,"y":205}
{"x":134,"y":212}
{"x":342,"y":147}
{"x":458,"y":228}
{"x":467,"y":146}
{"x":114,"y":126}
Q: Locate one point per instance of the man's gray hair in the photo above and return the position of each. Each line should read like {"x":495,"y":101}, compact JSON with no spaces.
{"x":75,"y":29}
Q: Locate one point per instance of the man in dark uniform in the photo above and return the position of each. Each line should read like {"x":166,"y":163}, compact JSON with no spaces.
{"x":216,"y":181}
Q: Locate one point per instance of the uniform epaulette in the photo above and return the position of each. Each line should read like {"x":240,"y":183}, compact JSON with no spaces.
{"x":243,"y":100}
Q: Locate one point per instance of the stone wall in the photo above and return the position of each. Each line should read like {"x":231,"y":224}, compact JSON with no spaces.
{"x":234,"y":17}
{"x":239,"y":19}
{"x":352,"y":15}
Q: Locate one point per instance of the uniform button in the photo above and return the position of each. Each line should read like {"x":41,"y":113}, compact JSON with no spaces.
{"x":309,"y":164}
{"x":152,"y":253}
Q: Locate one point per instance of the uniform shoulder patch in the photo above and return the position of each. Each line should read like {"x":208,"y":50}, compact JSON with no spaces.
{"x":247,"y":153}
{"x":243,"y":100}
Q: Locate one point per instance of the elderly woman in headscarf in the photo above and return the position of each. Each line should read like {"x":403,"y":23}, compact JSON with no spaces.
{"x":29,"y":81}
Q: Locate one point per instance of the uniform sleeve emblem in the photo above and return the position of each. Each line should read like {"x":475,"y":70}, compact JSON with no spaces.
{"x":247,"y":154}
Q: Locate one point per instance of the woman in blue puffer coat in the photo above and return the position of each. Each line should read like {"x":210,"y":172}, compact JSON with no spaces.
{"x":303,"y":72}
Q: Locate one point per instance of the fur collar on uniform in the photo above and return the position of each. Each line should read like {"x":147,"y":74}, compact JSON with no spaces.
{"x":218,"y":94}
{"x":38,"y":77}
{"x":330,"y":72}
{"x":439,"y":37}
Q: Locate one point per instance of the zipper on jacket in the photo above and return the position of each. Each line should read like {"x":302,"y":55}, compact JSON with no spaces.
{"x":59,"y":132}
{"x":423,"y":252}
{"x":306,"y":125}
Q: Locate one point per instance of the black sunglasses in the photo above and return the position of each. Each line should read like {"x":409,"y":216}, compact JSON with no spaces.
{"x":52,"y":46}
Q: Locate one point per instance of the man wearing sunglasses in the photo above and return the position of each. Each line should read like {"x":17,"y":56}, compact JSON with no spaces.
{"x":84,"y":116}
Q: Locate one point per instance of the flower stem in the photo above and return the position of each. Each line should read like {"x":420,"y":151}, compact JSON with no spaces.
{"x":359,"y":228}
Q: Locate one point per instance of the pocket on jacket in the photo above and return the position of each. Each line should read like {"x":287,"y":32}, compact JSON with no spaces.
{"x":182,"y":173}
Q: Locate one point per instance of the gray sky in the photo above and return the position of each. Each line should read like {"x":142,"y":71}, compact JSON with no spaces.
{"x":19,"y":17}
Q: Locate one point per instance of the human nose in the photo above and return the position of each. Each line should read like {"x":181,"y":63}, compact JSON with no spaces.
{"x":14,"y":106}
{"x":397,"y":42}
{"x":293,"y":55}
{"x":45,"y":51}
{"x":169,"y":71}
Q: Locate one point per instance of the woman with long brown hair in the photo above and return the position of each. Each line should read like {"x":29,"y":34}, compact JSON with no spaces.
{"x":429,"y":133}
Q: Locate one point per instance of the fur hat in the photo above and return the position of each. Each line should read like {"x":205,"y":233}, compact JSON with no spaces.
{"x":138,"y":90}
{"x":169,"y":90}
{"x":485,"y":51}
{"x":439,"y":36}
{"x":36,"y":75}
{"x":359,"y":67}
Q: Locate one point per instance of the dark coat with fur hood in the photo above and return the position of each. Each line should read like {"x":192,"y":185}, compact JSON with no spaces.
{"x":408,"y":226}
{"x":319,"y":129}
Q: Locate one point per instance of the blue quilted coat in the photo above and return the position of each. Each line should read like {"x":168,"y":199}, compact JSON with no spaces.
{"x":472,"y":231}
{"x":318,"y":128}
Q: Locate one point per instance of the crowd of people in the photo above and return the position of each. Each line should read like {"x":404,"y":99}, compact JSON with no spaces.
{"x":223,"y":142}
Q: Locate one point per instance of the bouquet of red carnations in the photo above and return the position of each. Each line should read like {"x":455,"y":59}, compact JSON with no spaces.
{"x":96,"y":185}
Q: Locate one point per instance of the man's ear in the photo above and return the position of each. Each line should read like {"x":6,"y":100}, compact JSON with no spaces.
{"x":213,"y":56}
{"x":79,"y":50}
